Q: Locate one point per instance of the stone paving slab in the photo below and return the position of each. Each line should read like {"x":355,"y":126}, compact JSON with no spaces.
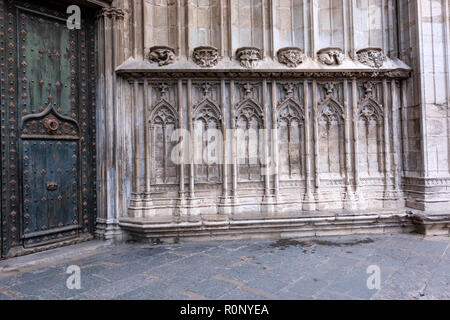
{"x":411,"y":267}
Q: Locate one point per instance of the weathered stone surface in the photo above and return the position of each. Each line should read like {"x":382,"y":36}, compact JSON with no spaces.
{"x":411,"y":267}
{"x":353,"y":146}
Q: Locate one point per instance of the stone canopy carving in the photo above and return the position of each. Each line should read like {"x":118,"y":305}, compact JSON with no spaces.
{"x":249,"y":57}
{"x":331,"y":56}
{"x":290,"y":56}
{"x":162,"y":55}
{"x":372,"y":57}
{"x":206,"y":56}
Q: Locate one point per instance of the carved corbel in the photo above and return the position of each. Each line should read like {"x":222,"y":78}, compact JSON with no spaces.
{"x":331,"y":56}
{"x":372,"y":57}
{"x":206,"y":56}
{"x":162,"y":55}
{"x":290,"y":56}
{"x":249,"y":57}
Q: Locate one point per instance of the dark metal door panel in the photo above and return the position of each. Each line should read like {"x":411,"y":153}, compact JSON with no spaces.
{"x":48,"y":125}
{"x":51,"y":190}
{"x":48,"y":63}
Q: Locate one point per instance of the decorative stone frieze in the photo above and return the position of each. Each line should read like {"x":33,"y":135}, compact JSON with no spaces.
{"x":291,"y":56}
{"x":206,"y":56}
{"x":249,"y":57}
{"x":162,"y":55}
{"x":112,"y":12}
{"x":331,"y":56}
{"x":372,"y":57}
{"x":326,"y":74}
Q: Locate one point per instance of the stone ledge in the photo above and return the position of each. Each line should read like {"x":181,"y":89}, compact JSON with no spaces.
{"x":432,"y":224}
{"x":172,"y":229}
{"x":21,"y":251}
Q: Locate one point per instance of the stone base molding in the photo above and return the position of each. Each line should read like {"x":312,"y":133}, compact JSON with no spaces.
{"x":221,"y":227}
{"x":109,"y":230}
{"x":21,"y":251}
{"x":432,"y":224}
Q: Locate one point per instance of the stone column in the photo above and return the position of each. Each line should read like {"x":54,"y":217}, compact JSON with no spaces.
{"x":181,"y":206}
{"x":234,"y":143}
{"x":427,"y":95}
{"x":308,"y":201}
{"x":225,"y":207}
{"x":355,"y":119}
{"x":267,"y":201}
{"x":275,"y":139}
{"x":316,"y":139}
{"x":191,"y":144}
{"x":147,"y":149}
{"x":386,"y":147}
{"x":109,"y":25}
{"x":349,"y":201}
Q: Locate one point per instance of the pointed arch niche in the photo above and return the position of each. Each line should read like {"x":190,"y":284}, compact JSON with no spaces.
{"x":163,"y":122}
{"x":331,"y":138}
{"x":249,"y":120}
{"x":370,"y":137}
{"x":291,"y":139}
{"x":207,"y":117}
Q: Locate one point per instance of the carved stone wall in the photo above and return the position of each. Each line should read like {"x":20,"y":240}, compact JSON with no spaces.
{"x":329,"y":145}
{"x":349,"y":143}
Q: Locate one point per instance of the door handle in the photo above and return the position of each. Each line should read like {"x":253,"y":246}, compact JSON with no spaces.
{"x":52,"y":186}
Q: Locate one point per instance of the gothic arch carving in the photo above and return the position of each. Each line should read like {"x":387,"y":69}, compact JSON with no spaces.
{"x":370,"y":136}
{"x":163,"y":121}
{"x":249,"y":109}
{"x":330,"y":109}
{"x":249,"y":119}
{"x":163,"y":112}
{"x":206,"y":110}
{"x":291,"y":138}
{"x":206,"y":115}
{"x":330,"y":121}
{"x":370,"y":109}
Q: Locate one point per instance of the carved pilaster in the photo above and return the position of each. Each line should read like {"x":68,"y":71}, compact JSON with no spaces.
{"x":268,"y":206}
{"x":181,"y":206}
{"x":308,"y":201}
{"x":349,"y":201}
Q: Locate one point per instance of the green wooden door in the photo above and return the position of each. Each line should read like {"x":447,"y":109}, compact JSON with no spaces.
{"x":49,"y":99}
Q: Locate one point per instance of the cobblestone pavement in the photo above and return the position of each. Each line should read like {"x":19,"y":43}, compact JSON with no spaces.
{"x":412,"y":267}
